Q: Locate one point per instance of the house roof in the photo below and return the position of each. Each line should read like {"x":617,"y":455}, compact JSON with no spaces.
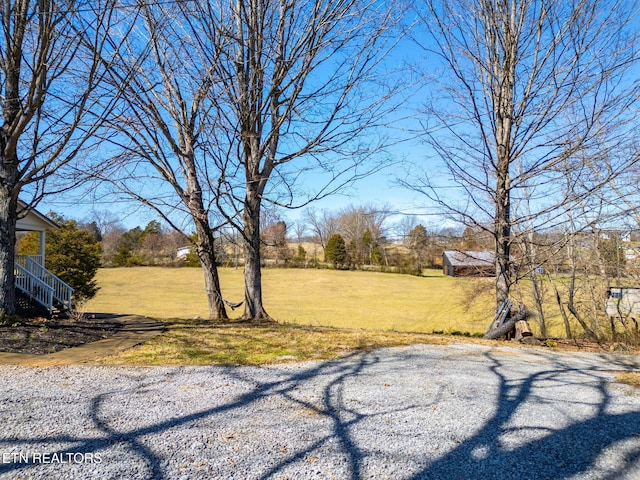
{"x":468,"y":258}
{"x":31,"y":220}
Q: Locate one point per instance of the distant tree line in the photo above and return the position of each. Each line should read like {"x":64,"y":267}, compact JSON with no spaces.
{"x":355,"y":237}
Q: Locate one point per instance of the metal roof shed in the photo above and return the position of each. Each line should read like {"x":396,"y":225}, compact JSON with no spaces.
{"x":468,"y":263}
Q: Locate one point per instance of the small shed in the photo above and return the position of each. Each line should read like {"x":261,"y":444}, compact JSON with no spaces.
{"x":468,"y":263}
{"x":623,"y":302}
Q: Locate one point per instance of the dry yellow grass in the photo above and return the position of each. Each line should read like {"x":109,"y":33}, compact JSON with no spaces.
{"x":630,"y":378}
{"x":342,"y":299}
{"x":198,"y":343}
{"x":322,"y":313}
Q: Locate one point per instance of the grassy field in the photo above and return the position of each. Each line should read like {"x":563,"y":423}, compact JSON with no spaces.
{"x":343,"y":299}
{"x":321,"y":313}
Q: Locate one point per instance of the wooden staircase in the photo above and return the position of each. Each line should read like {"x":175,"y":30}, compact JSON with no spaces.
{"x":40,"y":285}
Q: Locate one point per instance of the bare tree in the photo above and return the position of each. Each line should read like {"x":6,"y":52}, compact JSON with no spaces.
{"x":105,"y":221}
{"x":363,"y":228}
{"x":404,"y":226}
{"x":525,"y":87}
{"x":301,"y":92}
{"x":418,"y":245}
{"x":300,"y":228}
{"x":322,"y":224}
{"x":274,"y":238}
{"x":50,"y":71}
{"x":597,"y":259}
{"x":160,"y":135}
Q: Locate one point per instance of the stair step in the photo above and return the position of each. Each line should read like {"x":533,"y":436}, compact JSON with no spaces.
{"x":41,"y":285}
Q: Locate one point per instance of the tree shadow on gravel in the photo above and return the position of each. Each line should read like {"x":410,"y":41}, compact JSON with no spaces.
{"x":135,"y":439}
{"x":565,"y":452}
{"x":557,"y":452}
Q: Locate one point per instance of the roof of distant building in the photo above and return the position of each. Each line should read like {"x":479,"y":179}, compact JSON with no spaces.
{"x":468,"y":258}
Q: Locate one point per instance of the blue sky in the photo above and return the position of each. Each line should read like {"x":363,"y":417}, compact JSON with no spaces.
{"x":377,"y":189}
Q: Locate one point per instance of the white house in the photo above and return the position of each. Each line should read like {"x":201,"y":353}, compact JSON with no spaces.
{"x":31,"y":220}
{"x":31,"y":277}
{"x":182,"y":252}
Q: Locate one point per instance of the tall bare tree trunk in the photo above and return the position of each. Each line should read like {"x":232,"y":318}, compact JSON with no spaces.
{"x":49,"y":74}
{"x":502,"y":223}
{"x":292,"y":83}
{"x":11,"y":111}
{"x":8,"y":206}
{"x":205,"y":243}
{"x":205,"y":249}
{"x":503,"y":240}
{"x":161,"y":142}
{"x":254,"y":309}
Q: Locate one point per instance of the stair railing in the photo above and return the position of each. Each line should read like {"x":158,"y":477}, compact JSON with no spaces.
{"x":62,"y":292}
{"x":34,"y":287}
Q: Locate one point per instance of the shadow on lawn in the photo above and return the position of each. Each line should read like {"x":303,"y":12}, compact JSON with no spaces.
{"x":560,"y":452}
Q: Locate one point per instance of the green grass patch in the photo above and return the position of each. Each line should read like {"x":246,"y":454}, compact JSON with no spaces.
{"x":344,"y":299}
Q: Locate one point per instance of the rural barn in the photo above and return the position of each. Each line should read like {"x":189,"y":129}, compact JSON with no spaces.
{"x":468,"y":263}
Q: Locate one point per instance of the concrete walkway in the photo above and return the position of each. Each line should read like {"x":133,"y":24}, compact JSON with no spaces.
{"x":135,"y":331}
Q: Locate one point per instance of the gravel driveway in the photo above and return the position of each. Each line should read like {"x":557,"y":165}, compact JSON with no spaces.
{"x":432,"y":412}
